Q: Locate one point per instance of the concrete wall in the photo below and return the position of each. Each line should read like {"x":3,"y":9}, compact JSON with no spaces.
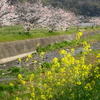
{"x":10,"y":49}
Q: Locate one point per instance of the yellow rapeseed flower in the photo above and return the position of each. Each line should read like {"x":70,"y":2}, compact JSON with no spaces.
{"x":98,"y":60}
{"x":45,"y":85}
{"x":79,"y":83}
{"x":31,"y":99}
{"x":82,"y":60}
{"x":78,"y":36}
{"x":50,"y":96}
{"x":11,"y":84}
{"x":42,"y":53}
{"x":23,"y":82}
{"x":88,"y":86}
{"x":50,"y":78}
{"x":35,"y":61}
{"x":80,"y":33}
{"x":62,"y":70}
{"x":49,"y":90}
{"x":20,"y":76}
{"x":55,"y":60}
{"x":77,"y":61}
{"x":58,"y":83}
{"x":27,"y":59}
{"x":84,"y":66}
{"x":43,"y":97}
{"x":19,"y":59}
{"x":33,"y":95}
{"x":63,"y":80}
{"x":62,"y":92}
{"x":72,"y":50}
{"x":17,"y":98}
{"x":29,"y":56}
{"x":31,"y":77}
{"x":97,"y":76}
{"x":98,"y":56}
{"x":49,"y":73}
{"x":63,"y":52}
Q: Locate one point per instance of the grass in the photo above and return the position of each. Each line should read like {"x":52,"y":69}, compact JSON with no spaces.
{"x":92,"y":38}
{"x":14,"y":33}
{"x":68,"y":44}
{"x":91,"y":57}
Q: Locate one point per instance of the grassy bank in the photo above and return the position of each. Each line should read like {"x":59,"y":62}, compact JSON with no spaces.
{"x":14,"y":33}
{"x":69,"y":44}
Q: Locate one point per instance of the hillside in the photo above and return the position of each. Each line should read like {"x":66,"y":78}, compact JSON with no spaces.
{"x":80,"y":7}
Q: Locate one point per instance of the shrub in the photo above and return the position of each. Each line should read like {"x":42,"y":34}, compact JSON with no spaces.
{"x":39,"y":48}
{"x":14,"y":69}
{"x":2,"y":94}
{"x":46,"y":65}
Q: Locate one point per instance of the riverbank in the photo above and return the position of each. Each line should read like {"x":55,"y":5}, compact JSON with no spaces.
{"x":12,"y":50}
{"x":16,"y":32}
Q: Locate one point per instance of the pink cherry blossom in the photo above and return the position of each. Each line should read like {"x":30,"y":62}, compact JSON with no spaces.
{"x":7,"y":13}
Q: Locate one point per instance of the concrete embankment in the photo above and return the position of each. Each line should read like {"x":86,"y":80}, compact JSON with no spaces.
{"x":12,"y":50}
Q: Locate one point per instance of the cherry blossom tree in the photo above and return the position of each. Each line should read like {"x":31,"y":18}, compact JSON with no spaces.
{"x":38,"y":15}
{"x":7,"y":13}
{"x":29,"y":14}
{"x":95,"y":21}
{"x":60,"y":19}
